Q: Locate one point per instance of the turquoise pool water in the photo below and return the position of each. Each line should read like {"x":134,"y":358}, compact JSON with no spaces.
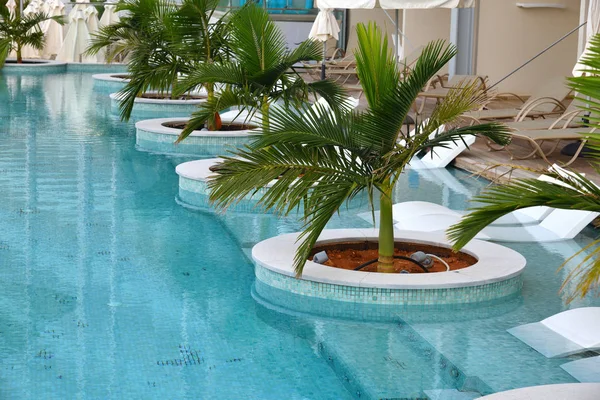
{"x":110,"y":290}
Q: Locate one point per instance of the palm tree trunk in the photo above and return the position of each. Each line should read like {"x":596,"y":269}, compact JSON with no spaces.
{"x":386,"y":231}
{"x":19,"y":54}
{"x":265,"y":112}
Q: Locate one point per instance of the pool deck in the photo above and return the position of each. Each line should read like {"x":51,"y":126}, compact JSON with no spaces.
{"x":498,"y":165}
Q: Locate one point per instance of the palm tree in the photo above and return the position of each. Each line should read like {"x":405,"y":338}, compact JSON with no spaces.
{"x":322,"y":159}
{"x":18,"y":31}
{"x":161,"y":42}
{"x":260,"y":71}
{"x":570,"y":191}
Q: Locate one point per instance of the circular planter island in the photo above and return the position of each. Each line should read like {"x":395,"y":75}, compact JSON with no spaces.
{"x":495,"y":274}
{"x":112,"y":81}
{"x":159,"y":136}
{"x":34,"y":67}
{"x":152,"y":104}
{"x":194,"y":193}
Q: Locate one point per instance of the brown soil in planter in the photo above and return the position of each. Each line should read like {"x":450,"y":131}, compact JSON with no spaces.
{"x":224,"y":128}
{"x":120,"y":76}
{"x":13,"y":62}
{"x":168,"y":97}
{"x":351,"y":255}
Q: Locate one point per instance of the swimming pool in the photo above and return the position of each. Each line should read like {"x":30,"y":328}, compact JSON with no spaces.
{"x":111,"y":290}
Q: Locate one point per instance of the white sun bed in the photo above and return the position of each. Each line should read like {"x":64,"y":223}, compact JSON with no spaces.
{"x":584,"y":370}
{"x":569,"y":332}
{"x":245,"y":116}
{"x":563,"y":391}
{"x":533,"y":224}
{"x":441,"y":156}
{"x":541,"y":224}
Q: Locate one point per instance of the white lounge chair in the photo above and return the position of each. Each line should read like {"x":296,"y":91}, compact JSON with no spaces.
{"x":533,"y":224}
{"x":441,"y":156}
{"x":244,"y":115}
{"x":585,"y":370}
{"x":566,"y":333}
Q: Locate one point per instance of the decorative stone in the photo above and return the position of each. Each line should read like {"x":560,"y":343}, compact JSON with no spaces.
{"x":496,"y":274}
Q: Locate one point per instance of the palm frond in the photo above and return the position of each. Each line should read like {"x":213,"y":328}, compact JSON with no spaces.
{"x":225,"y":99}
{"x":575,"y":193}
{"x":585,"y":275}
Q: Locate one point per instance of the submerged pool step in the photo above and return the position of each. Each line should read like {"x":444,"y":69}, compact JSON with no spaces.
{"x":450,"y":394}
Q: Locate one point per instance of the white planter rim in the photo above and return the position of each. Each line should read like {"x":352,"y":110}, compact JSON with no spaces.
{"x":156,"y":126}
{"x":495,"y":263}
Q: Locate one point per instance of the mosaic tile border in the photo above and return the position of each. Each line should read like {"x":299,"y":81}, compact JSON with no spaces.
{"x":460,"y":295}
{"x":194,"y":192}
{"x":35,"y":69}
{"x":496,"y":274}
{"x":198,"y":146}
{"x":175,"y":108}
{"x":96,"y":68}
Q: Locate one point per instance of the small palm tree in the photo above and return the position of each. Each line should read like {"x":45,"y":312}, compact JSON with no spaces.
{"x":18,"y":31}
{"x":161,"y":41}
{"x":322,"y":159}
{"x":260,"y":71}
{"x":571,"y":190}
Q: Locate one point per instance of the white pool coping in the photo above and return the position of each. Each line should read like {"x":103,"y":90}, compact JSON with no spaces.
{"x":155,"y":125}
{"x":110,"y":77}
{"x":141,"y":100}
{"x":495,"y":263}
{"x":199,"y":170}
{"x":34,"y":63}
{"x":564,"y":391}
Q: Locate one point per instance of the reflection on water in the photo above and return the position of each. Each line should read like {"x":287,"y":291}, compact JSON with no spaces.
{"x":112,"y":290}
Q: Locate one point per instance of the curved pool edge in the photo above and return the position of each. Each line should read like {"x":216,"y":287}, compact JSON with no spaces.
{"x":496,"y":274}
{"x":153,"y":136}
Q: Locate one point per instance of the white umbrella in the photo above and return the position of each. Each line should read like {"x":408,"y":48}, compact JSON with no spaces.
{"x":53,"y":30}
{"x":90,"y":14}
{"x":110,"y":15}
{"x":12,"y":6}
{"x":76,"y":41}
{"x":324,"y":28}
{"x":75,"y":9}
{"x":33,"y":7}
{"x":91,"y":19}
{"x":592,"y":28}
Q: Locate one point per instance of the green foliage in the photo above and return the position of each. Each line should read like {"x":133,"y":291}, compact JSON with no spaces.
{"x":261,"y":70}
{"x":160,"y":42}
{"x":18,"y":31}
{"x":571,"y":190}
{"x":324,"y":158}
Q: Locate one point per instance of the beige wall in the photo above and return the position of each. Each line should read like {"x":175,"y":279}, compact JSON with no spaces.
{"x":509,"y":36}
{"x":422,"y":26}
{"x":365,"y":16}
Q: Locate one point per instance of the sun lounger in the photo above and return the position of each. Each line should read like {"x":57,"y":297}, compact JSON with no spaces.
{"x":441,"y":156}
{"x":533,"y":224}
{"x":536,"y":139}
{"x":562,"y":391}
{"x":586,"y":370}
{"x":521,"y":226}
{"x":566,"y":333}
{"x":571,"y":118}
{"x":548,"y":100}
{"x":437,"y":89}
